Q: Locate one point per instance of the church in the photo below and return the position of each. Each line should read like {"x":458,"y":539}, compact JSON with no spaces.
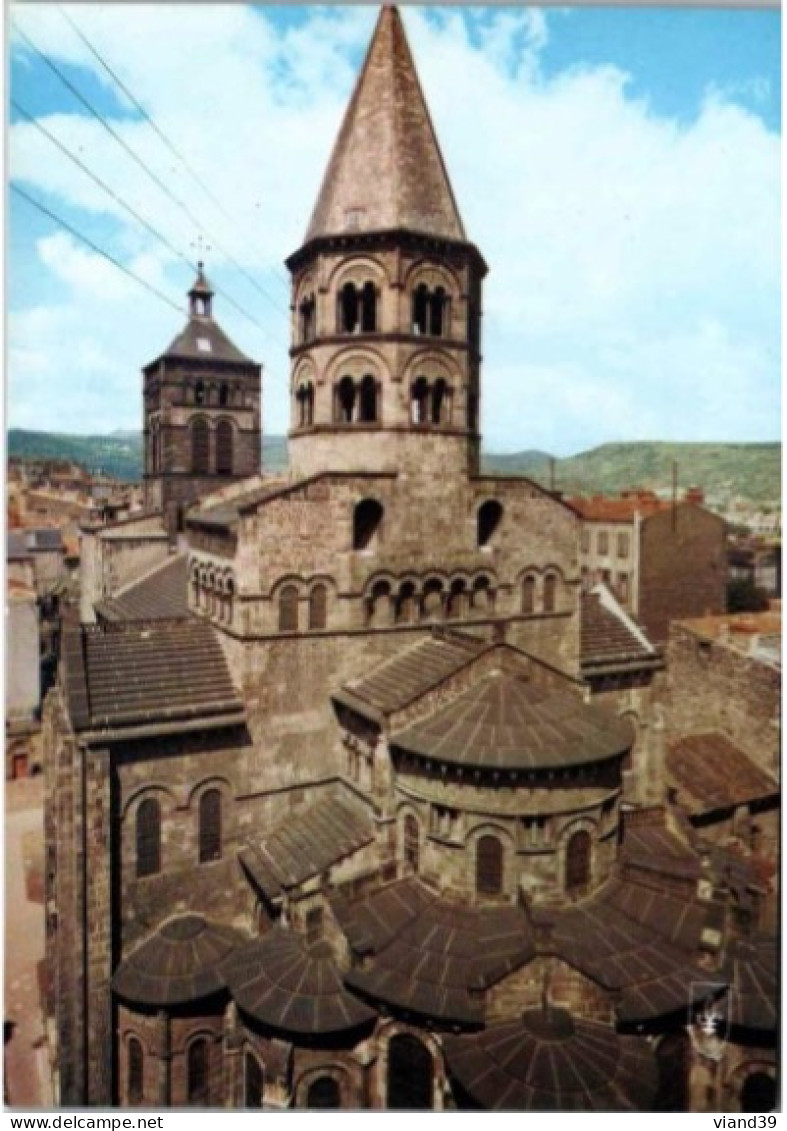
{"x":355,"y":802}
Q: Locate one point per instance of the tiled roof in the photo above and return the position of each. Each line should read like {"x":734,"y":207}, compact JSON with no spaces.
{"x":603,"y":509}
{"x":204,"y":330}
{"x":387,"y":128}
{"x":715,"y":773}
{"x":438,"y":958}
{"x":307,"y":843}
{"x":506,"y":723}
{"x":142,"y":673}
{"x":752,"y":968}
{"x":729,"y":626}
{"x":282,"y":981}
{"x":606,"y":638}
{"x":180,"y":963}
{"x":414,"y":671}
{"x":23,"y":543}
{"x":370,"y":924}
{"x":161,"y":595}
{"x":654,"y":848}
{"x":547,"y":1060}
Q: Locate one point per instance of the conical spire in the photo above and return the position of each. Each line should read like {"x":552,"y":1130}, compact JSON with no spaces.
{"x":386,"y":170}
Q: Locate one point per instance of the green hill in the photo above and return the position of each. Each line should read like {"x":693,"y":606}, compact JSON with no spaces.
{"x":749,"y":471}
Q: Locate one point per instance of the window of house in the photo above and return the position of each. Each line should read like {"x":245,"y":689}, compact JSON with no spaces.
{"x":210,"y":826}
{"x":136,"y":1071}
{"x":323,"y":1093}
{"x":411,"y":842}
{"x":253,"y":1081}
{"x":197,"y":1084}
{"x":200,"y":447}
{"x":529,"y":594}
{"x":410,"y":1074}
{"x":318,"y":603}
{"x":623,"y":587}
{"x":368,"y":399}
{"x":489,"y":866}
{"x":585,"y":540}
{"x":224,"y":447}
{"x":578,"y":861}
{"x":550,"y":593}
{"x":224,"y":394}
{"x":148,"y":830}
{"x":602,"y":542}
{"x":367,"y":523}
{"x":623,"y":544}
{"x":288,"y":609}
{"x":490,"y":515}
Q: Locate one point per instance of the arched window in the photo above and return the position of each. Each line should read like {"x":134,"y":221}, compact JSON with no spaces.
{"x":345,"y":401}
{"x":411,"y":842}
{"x":529,"y":594}
{"x":136,"y":1071}
{"x":306,"y":312}
{"x":288,"y":609}
{"x":367,"y":521}
{"x":419,"y":401}
{"x":349,"y":321}
{"x":489,"y":866}
{"x":490,"y":515}
{"x":550,"y":593}
{"x":409,"y":1074}
{"x":197,"y":1083}
{"x":421,"y":309}
{"x":578,"y":861}
{"x":404,"y":612}
{"x":380,"y":604}
{"x":224,"y":447}
{"x":253,"y":1081}
{"x":368,"y":399}
{"x":481,"y":598}
{"x":455,"y":602}
{"x":758,"y":1093}
{"x":305,"y":399}
{"x":368,"y":308}
{"x":148,"y":837}
{"x":433,"y":599}
{"x":439,"y":402}
{"x":200,"y":447}
{"x":323,"y":1093}
{"x":438,"y":311}
{"x":199,"y":392}
{"x":318,"y":603}
{"x":224,"y":394}
{"x":210,"y":826}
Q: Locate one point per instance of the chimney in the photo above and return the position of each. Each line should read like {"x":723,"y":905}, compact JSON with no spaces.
{"x":695,"y":496}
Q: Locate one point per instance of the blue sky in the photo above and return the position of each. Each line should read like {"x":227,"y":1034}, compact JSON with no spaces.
{"x":618,"y":168}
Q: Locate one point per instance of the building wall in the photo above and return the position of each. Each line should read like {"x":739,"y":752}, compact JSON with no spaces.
{"x":22,"y":658}
{"x":113,"y":557}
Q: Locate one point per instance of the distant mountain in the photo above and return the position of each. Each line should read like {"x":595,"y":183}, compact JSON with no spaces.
{"x":748,"y":471}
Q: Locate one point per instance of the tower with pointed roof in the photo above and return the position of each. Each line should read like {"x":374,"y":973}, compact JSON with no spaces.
{"x":201,"y":406}
{"x":386,"y":292}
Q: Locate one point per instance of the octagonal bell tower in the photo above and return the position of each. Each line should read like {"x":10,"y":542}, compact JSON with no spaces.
{"x":386,"y":292}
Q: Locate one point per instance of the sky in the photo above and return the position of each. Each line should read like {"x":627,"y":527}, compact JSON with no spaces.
{"x":617,"y":168}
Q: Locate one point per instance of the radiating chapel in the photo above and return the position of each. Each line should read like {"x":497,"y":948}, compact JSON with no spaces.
{"x":349,"y":825}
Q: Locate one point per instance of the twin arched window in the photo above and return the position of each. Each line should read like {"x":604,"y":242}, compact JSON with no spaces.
{"x":357,"y":309}
{"x":357,"y":402}
{"x":549,"y":596}
{"x":489,"y":866}
{"x":318,"y":606}
{"x":430,"y":402}
{"x":210,"y":826}
{"x":430,"y":311}
{"x":148,"y":838}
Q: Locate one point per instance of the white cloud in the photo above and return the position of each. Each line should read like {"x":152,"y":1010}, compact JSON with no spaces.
{"x":634,"y":270}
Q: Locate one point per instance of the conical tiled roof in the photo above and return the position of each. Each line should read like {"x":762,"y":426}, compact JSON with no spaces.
{"x":386,"y":170}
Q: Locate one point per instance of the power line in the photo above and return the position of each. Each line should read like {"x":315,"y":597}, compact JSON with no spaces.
{"x":159,"y":132}
{"x":94,"y":247}
{"x":142,"y":164}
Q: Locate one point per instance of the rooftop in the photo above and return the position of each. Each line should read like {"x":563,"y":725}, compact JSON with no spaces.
{"x":160,"y":595}
{"x":714,"y":773}
{"x":609,"y":636}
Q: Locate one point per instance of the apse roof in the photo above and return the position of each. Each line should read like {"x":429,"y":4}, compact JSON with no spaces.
{"x":180,"y":963}
{"x":386,"y":170}
{"x":503,"y":722}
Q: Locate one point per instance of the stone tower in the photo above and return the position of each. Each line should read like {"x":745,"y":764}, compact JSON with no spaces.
{"x":386,"y":292}
{"x":201,"y":406}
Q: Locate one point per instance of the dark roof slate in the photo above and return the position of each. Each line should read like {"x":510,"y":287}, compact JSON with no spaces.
{"x":201,"y":328}
{"x":715,"y":773}
{"x":414,"y":671}
{"x":551,"y":1061}
{"x":141,"y":673}
{"x":507,"y":723}
{"x":752,"y":968}
{"x":161,"y":595}
{"x":306,"y":843}
{"x":606,"y":638}
{"x":282,"y":981}
{"x":180,"y":963}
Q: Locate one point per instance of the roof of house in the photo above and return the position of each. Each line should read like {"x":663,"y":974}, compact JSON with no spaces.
{"x":714,"y":773}
{"x":504,"y":722}
{"x":324,"y":833}
{"x":601,"y":508}
{"x":548,"y":1060}
{"x":609,"y":635}
{"x":202,"y":339}
{"x":282,"y":981}
{"x":146,"y":672}
{"x":179,"y":963}
{"x":412,"y":672}
{"x":23,"y":543}
{"x":753,"y":968}
{"x":387,"y":128}
{"x":161,"y":594}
